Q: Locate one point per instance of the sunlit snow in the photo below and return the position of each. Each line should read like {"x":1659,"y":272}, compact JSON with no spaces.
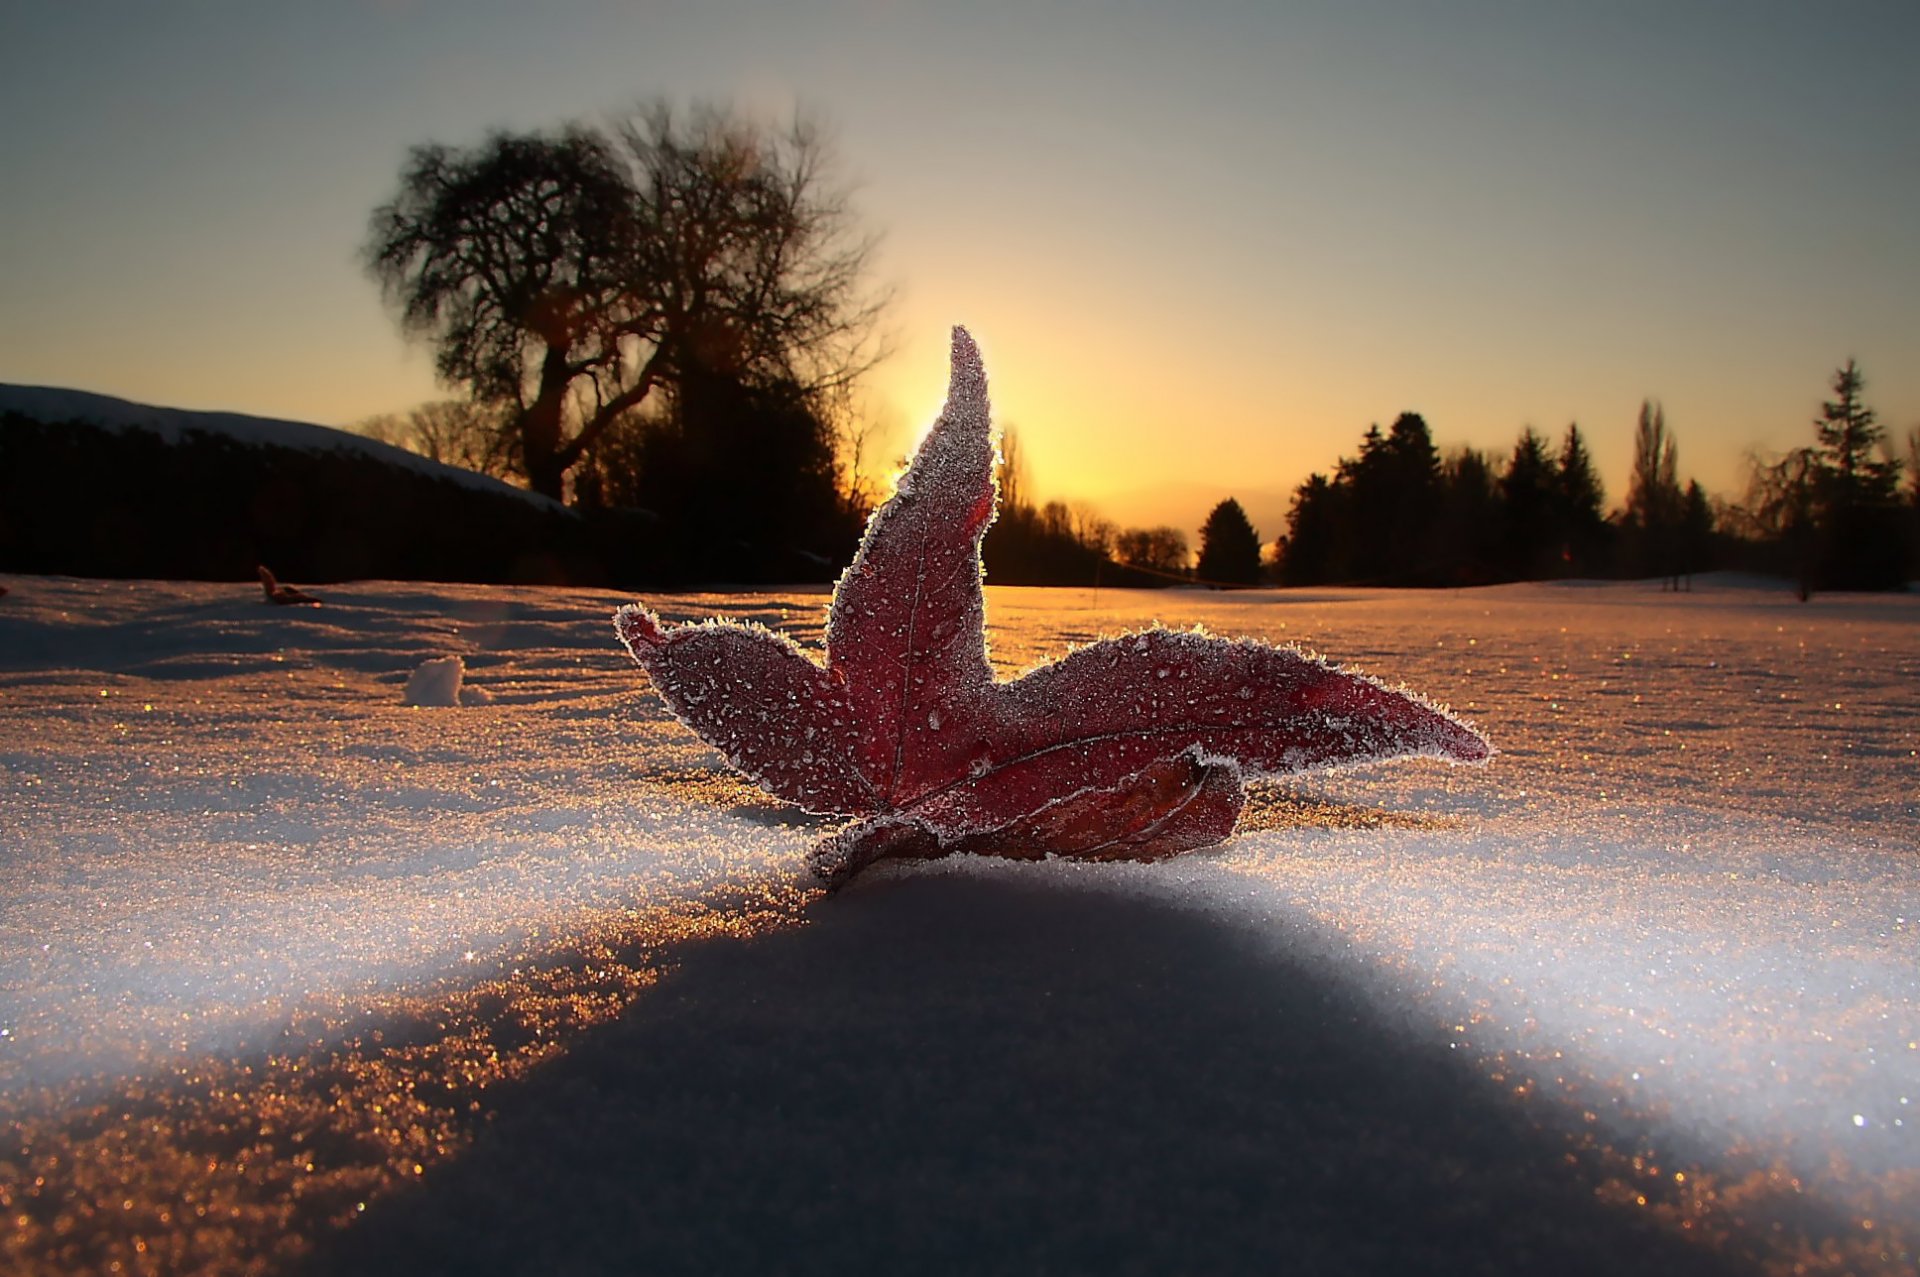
{"x":1680,"y":910}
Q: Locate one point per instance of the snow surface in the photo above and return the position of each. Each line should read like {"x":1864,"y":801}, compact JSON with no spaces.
{"x":55,"y":404}
{"x":1674,"y":921}
{"x":439,"y":683}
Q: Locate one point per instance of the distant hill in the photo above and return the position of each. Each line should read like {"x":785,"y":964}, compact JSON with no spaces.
{"x":52,"y":404}
{"x":96,"y":486}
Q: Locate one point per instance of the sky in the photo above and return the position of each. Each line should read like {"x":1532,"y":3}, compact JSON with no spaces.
{"x":1203,"y":246}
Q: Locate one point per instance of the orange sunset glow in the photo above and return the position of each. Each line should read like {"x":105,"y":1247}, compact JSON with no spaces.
{"x":1204,"y":248}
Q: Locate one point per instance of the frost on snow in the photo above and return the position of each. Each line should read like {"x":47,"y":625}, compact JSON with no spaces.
{"x":1132,"y":748}
{"x":1681,"y":922}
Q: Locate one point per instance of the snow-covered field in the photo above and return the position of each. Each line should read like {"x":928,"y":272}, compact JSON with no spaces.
{"x":292,"y":972}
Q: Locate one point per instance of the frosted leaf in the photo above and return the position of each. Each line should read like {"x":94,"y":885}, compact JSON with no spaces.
{"x":1132,"y":748}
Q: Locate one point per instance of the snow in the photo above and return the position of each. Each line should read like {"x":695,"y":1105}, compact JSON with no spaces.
{"x":1640,"y":993}
{"x":54,"y":404}
{"x":438,"y":683}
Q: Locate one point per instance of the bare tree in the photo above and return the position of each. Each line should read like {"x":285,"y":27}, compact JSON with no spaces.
{"x":455,"y":432}
{"x":1161,"y":549}
{"x":566,"y":276}
{"x":1011,"y":471}
{"x":1782,"y":506}
{"x":1093,"y":529}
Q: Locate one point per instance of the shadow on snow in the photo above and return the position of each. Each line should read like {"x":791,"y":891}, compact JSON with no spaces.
{"x":961,"y":1073}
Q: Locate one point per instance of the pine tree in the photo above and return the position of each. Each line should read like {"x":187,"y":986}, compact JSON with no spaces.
{"x":1581,"y":500}
{"x":1527,"y":497}
{"x":1696,"y":531}
{"x":1863,"y":544}
{"x":1411,"y":492}
{"x":1229,"y":547}
{"x":1312,"y":552}
{"x":1469,"y":522}
{"x":1849,"y":435}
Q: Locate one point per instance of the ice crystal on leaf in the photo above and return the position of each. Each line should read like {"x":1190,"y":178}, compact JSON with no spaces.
{"x":1132,"y":748}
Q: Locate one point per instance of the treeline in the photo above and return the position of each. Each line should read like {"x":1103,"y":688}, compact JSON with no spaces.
{"x":1400,"y":513}
{"x":1058,"y":544}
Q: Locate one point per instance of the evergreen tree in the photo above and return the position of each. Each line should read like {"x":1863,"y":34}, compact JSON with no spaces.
{"x":1311,"y":551}
{"x":1580,"y":500}
{"x":1850,"y":434}
{"x":1469,"y":524}
{"x":1696,"y":531}
{"x":1229,"y":547}
{"x":1528,"y":496}
{"x":1863,"y":543}
{"x":1367,"y":488}
{"x":1410,"y":503}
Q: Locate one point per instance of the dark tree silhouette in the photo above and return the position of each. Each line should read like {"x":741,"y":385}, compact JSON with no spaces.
{"x":1696,"y":532}
{"x":1913,"y":496}
{"x":566,"y":275}
{"x":1161,"y":549}
{"x":1470,"y":519}
{"x":1529,"y":487}
{"x":1412,"y":496}
{"x":1312,"y":551}
{"x":1850,"y":434}
{"x":1229,"y":547}
{"x":1580,"y":500}
{"x":739,"y":478}
{"x":1862,"y":538}
{"x":1654,"y":498}
{"x":1782,"y":512}
{"x":1396,"y":514}
{"x":454,"y":432}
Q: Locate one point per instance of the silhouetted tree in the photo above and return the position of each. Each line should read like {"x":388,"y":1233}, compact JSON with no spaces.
{"x":1529,"y":502}
{"x":740,"y":478}
{"x":565,"y":276}
{"x":1397,"y":504}
{"x":1913,"y":497}
{"x":1470,"y":523}
{"x":1029,"y":546}
{"x":1850,"y":434}
{"x":1782,"y":511}
{"x":1862,"y":534}
{"x":1580,"y":502}
{"x":1312,"y":551}
{"x":1161,"y":549}
{"x":1366,"y":484}
{"x":1654,"y":497}
{"x":1696,"y":532}
{"x":1052,"y":544}
{"x":1229,"y":547}
{"x":455,"y":432}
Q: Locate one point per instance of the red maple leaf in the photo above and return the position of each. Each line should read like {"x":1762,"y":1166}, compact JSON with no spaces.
{"x":1132,"y":748}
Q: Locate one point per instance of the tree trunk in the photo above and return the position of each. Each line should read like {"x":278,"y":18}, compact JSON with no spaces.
{"x":540,"y":425}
